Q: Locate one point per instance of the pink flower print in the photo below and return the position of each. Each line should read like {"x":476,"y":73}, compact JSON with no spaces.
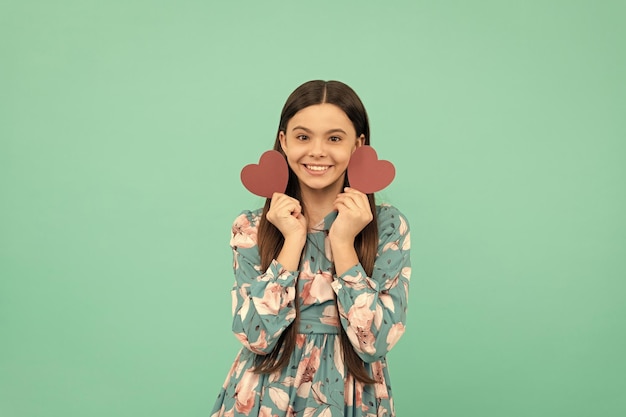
{"x":312,"y":412}
{"x":242,"y":338}
{"x":378,"y":316}
{"x":271,"y":301}
{"x":313,"y":365}
{"x":390,"y":246}
{"x":245,"y":394}
{"x":290,"y":295}
{"x":240,"y":368}
{"x":365,"y":339}
{"x":392,"y":283}
{"x":306,"y":371}
{"x":338,"y":357}
{"x":318,"y":289}
{"x":406,"y":245}
{"x":348,"y":391}
{"x":360,"y":314}
{"x":330,"y":316}
{"x":279,"y":397}
{"x":287,"y":382}
{"x":244,"y":235}
{"x":273,"y":377}
{"x":321,"y":290}
{"x":406,"y":272}
{"x":360,"y":318}
{"x":300,"y":339}
{"x":395,"y":332}
{"x":235,"y":260}
{"x":306,"y":275}
{"x":245,"y":301}
{"x":380,"y":387}
{"x":305,"y":294}
{"x":318,"y":395}
{"x":265,"y":411}
{"x":305,"y":271}
{"x":356,"y":282}
{"x":258,"y":346}
{"x":406,"y":289}
{"x":404,"y":227}
{"x":353,"y":392}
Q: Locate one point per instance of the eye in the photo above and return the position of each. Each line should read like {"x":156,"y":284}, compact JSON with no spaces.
{"x":302,"y":137}
{"x":334,"y":139}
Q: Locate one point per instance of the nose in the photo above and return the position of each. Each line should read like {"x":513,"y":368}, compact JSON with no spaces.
{"x":317,"y":148}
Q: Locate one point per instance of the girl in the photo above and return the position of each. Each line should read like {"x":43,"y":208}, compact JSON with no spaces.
{"x":321,"y":276}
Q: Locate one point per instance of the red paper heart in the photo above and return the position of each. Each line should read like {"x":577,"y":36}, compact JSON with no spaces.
{"x":367,"y":173}
{"x":270,"y":175}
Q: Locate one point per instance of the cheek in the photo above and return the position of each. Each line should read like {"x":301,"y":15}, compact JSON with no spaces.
{"x":292,"y":160}
{"x":292,"y":155}
{"x":347,"y":154}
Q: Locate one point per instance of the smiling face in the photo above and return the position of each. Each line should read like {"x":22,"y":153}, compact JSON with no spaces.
{"x":318,"y":143}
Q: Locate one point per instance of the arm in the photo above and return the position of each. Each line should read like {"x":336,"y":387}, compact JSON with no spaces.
{"x":373,"y":309}
{"x":263,"y":301}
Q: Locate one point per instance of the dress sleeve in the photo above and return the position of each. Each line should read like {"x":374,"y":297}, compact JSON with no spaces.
{"x":262,"y":301}
{"x":373,"y":309}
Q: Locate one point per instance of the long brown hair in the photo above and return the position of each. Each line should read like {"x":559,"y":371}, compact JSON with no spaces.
{"x":270,"y":239}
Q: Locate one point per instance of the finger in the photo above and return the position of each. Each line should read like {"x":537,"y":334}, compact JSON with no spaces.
{"x":283,"y":200}
{"x":339,"y":201}
{"x":291,"y":207}
{"x":295,"y":210}
{"x":350,"y":202}
{"x":352,"y":191}
{"x":285,"y":207}
{"x":278,"y":197}
{"x":360,"y":198}
{"x":340,"y":207}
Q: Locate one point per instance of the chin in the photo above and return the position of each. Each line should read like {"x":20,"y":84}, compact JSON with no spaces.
{"x":323,"y":186}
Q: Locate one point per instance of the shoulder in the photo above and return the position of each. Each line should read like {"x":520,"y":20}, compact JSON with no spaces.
{"x":391,"y":221}
{"x":245,"y":227}
{"x":248,"y":218}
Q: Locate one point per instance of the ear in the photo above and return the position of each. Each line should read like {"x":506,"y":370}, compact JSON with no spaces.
{"x":360,"y":141}
{"x":283,"y":140}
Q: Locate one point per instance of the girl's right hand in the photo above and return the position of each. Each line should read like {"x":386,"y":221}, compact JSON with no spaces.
{"x":286,"y":214}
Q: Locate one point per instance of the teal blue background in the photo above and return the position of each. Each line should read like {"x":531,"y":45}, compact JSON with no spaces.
{"x":124,"y":126}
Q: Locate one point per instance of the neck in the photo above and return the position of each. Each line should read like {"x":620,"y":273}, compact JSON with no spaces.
{"x":318,"y":203}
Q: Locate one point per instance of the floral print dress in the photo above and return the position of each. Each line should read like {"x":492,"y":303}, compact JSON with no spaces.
{"x":372,"y":310}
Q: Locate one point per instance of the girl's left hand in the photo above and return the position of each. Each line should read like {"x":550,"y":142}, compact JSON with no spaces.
{"x":354,"y":214}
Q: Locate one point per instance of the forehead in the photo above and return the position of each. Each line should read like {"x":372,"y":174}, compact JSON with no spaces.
{"x":323,"y":116}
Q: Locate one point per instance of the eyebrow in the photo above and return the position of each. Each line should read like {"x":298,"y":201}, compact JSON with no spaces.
{"x":310,"y":131}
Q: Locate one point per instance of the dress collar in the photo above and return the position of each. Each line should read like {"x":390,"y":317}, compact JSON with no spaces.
{"x":325,"y":223}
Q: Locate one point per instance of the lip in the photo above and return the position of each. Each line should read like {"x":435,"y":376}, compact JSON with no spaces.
{"x":316,"y":172}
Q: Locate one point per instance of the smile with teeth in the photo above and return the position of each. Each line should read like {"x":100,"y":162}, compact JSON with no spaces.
{"x":317,"y":167}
